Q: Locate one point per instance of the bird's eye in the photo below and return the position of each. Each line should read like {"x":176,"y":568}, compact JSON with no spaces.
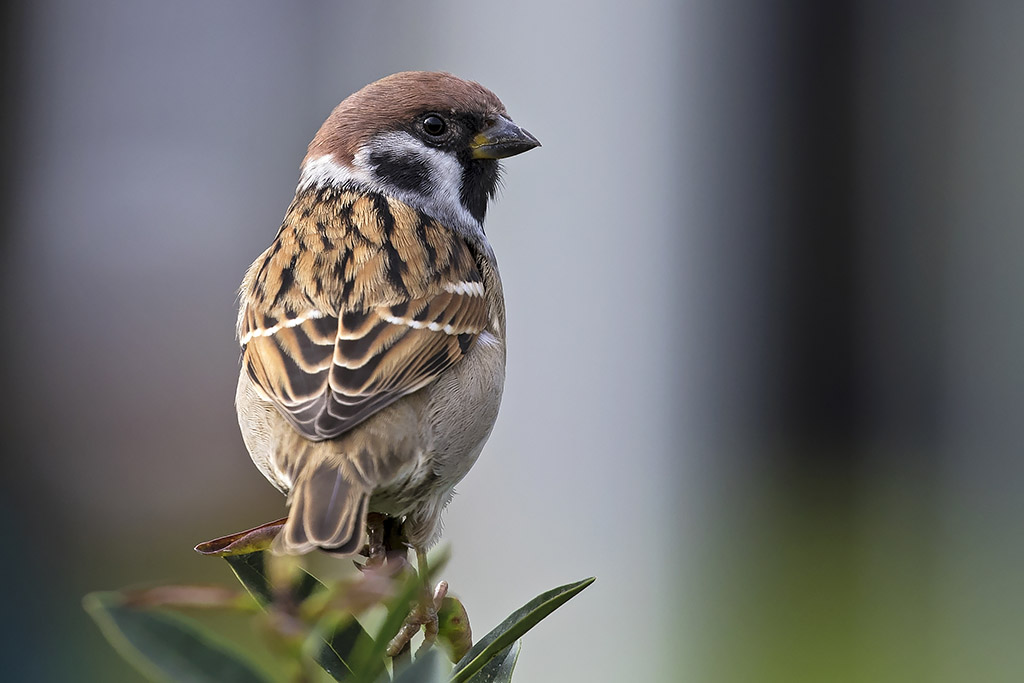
{"x":434,"y":125}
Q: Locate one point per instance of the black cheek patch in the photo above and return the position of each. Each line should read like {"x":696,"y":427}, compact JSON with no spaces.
{"x":404,"y":172}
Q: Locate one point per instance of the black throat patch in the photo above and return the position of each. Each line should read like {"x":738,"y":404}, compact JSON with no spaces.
{"x":480,"y":179}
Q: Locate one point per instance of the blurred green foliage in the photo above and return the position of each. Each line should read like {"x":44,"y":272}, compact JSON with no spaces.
{"x":313,"y":632}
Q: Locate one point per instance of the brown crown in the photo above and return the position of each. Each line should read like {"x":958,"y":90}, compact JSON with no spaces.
{"x":391,"y":102}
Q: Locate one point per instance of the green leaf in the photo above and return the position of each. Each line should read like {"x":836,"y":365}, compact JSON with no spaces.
{"x":453,"y":631}
{"x":513,"y":628}
{"x":501,"y":666}
{"x":334,"y":650}
{"x":426,"y":669}
{"x":244,"y":542}
{"x":368,"y":658}
{"x":167,"y":647}
{"x":251,"y":570}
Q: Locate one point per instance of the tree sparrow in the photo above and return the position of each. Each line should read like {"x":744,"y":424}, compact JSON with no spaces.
{"x":373,"y":328}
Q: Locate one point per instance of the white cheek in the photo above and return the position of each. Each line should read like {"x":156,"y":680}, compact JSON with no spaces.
{"x":324,"y":171}
{"x":442,"y":199}
{"x":445,"y":171}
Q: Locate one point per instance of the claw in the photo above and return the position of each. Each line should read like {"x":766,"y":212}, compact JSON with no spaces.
{"x":423,"y":615}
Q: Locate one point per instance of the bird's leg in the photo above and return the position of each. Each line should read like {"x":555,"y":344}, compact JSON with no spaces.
{"x":432,"y":600}
{"x":375,"y":550}
{"x":396,"y":547}
{"x":424,"y":614}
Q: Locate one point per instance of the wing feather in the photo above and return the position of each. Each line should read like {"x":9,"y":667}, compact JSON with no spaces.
{"x":391,"y":300}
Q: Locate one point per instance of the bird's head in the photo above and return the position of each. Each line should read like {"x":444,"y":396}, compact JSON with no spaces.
{"x":430,"y":139}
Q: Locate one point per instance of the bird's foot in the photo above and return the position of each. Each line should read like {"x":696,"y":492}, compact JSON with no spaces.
{"x":425,"y":615}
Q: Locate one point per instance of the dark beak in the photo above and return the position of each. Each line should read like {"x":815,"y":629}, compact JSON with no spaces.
{"x":502,"y":139}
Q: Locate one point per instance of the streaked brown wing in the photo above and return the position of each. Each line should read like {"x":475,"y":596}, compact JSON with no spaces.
{"x":381,"y":328}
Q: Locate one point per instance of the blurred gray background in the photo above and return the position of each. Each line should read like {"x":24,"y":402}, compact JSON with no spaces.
{"x":766,"y":307}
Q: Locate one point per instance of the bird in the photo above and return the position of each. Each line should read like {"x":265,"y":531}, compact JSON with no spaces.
{"x":372,"y":329}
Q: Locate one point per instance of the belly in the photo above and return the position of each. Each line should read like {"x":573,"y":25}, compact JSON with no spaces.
{"x":459,"y":413}
{"x":467,"y":407}
{"x":453,"y":419}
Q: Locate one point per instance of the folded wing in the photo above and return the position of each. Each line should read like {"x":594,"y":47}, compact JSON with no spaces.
{"x":360,"y":301}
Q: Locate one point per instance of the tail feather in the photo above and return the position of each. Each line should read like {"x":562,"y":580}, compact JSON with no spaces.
{"x":327,"y":511}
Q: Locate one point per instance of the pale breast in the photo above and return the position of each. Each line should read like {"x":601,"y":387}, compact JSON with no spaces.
{"x":464,"y":405}
{"x":260,"y":423}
